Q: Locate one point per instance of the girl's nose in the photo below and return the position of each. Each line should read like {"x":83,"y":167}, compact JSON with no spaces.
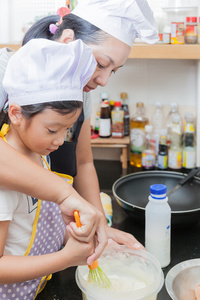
{"x":58,"y":141}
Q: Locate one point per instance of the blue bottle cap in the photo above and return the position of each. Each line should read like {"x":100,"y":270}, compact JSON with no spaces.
{"x":158,"y":191}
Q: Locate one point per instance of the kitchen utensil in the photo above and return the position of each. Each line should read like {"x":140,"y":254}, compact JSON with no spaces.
{"x":127,"y":270}
{"x":96,"y":275}
{"x":182,"y":280}
{"x":132,"y":191}
{"x":190,"y":175}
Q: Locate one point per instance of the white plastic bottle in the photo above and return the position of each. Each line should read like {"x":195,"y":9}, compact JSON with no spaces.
{"x":158,"y":225}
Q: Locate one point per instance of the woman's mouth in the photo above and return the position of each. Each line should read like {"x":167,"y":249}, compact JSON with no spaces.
{"x":87,"y":89}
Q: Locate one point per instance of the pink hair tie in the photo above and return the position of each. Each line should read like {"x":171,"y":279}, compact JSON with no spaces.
{"x":53,"y":28}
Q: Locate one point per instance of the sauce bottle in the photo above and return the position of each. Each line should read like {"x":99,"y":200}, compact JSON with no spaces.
{"x":126,"y":113}
{"x":175,"y":149}
{"x":148,"y":154}
{"x":117,"y":117}
{"x":189,"y":147}
{"x":163,"y":151}
{"x":137,"y":135}
{"x":105,"y":120}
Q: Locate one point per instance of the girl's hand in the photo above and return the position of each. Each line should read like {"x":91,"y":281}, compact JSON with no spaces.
{"x":92,"y":220}
{"x":122,"y":238}
{"x":76,"y":252}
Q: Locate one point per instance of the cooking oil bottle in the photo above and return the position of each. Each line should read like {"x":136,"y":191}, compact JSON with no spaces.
{"x":137,"y":135}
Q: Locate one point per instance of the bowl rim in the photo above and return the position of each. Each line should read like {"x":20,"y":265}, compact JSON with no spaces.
{"x":173,"y":272}
{"x":153,"y":288}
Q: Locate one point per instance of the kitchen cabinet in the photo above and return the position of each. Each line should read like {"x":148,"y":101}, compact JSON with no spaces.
{"x":166,"y":52}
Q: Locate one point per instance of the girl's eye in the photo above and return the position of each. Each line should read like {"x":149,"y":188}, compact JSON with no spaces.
{"x":52,"y":131}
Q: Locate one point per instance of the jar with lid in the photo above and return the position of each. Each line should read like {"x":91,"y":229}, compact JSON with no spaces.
{"x":191,"y":30}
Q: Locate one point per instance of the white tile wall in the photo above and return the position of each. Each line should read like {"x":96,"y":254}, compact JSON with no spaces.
{"x":17,"y":15}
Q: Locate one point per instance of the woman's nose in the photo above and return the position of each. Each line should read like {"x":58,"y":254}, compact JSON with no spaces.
{"x":102,"y":79}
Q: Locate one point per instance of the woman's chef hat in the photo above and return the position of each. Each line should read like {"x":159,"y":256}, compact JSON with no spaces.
{"x":45,"y":71}
{"x":123,"y":19}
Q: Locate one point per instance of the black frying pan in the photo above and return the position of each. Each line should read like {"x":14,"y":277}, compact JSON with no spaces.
{"x":132,"y":192}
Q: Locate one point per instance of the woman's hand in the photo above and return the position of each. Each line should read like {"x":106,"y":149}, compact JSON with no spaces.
{"x":122,"y":238}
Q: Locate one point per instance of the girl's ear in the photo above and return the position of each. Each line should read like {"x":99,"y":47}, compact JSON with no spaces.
{"x":67,"y":36}
{"x":15,"y":114}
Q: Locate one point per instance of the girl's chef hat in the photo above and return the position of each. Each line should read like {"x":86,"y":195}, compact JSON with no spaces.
{"x":44,"y":71}
{"x":123,"y":19}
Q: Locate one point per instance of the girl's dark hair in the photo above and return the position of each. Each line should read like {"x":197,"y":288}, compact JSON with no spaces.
{"x":28,"y":111}
{"x":62,"y":107}
{"x":83,"y":30}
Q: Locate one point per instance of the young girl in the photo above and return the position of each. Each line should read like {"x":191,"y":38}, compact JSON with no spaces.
{"x":44,"y":101}
{"x":109,"y":27}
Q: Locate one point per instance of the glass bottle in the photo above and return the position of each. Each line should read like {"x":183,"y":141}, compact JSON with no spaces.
{"x":126,"y":113}
{"x":173,"y":112}
{"x":163,"y":151}
{"x":104,"y":97}
{"x":175,"y":149}
{"x":148,"y":154}
{"x":189,"y":147}
{"x":158,"y":122}
{"x":105,"y":120}
{"x":117,"y":118}
{"x":137,"y":135}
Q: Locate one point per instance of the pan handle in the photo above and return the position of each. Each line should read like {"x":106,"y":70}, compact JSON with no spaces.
{"x":190,"y":175}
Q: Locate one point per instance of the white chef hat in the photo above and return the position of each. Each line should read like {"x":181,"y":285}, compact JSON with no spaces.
{"x":45,"y":71}
{"x":123,"y":19}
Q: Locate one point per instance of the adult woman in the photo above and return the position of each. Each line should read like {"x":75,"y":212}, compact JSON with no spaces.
{"x":117,"y":23}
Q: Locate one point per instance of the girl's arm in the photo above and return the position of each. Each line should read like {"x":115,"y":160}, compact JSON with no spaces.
{"x":87,"y":178}
{"x":19,"y":173}
{"x":23,"y":268}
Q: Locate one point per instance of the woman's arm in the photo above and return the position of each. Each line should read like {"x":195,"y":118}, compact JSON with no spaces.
{"x":86,"y":184}
{"x":23,"y":268}
{"x":19,"y":173}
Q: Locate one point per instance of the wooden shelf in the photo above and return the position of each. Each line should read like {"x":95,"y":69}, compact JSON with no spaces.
{"x":165,"y":51}
{"x":158,"y":51}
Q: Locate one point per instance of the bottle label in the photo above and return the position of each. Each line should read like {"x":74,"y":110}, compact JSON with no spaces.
{"x":117,"y":123}
{"x":189,"y":158}
{"x":175,"y":159}
{"x":148,"y":159}
{"x":137,"y":138}
{"x":189,"y":128}
{"x":162,"y":162}
{"x":104,"y":127}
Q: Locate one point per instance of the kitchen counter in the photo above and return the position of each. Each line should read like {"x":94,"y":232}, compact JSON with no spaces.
{"x":185,"y":245}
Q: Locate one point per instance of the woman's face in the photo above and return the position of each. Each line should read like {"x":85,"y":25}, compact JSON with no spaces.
{"x":110,"y":56}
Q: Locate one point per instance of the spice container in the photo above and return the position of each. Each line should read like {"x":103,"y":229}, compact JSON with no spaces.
{"x":177,"y":33}
{"x":191,"y":30}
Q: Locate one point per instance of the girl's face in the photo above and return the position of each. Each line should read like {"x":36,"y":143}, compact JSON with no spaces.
{"x":44,"y":132}
{"x":110,"y":56}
